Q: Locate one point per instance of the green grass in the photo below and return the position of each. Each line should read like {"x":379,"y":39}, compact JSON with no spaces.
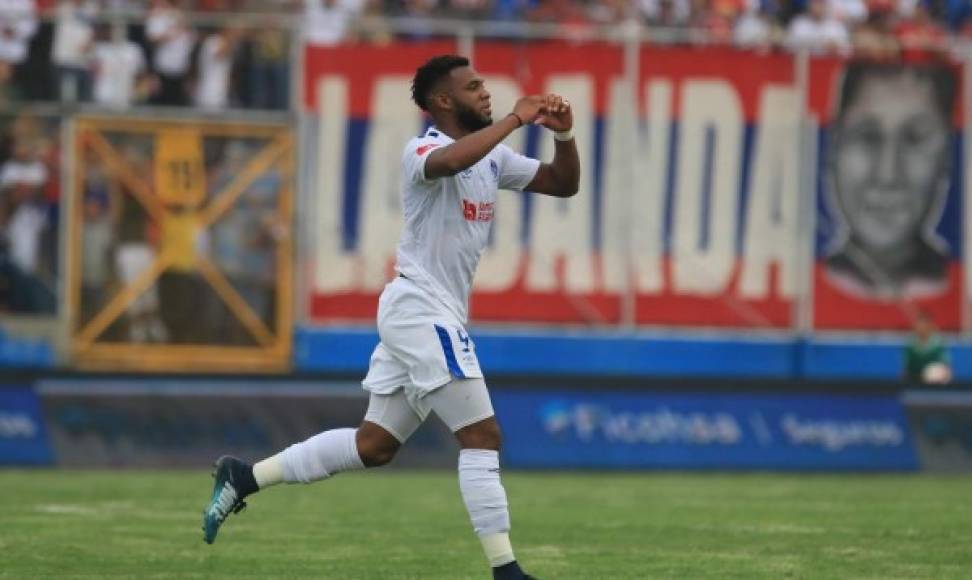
{"x":394,"y":524}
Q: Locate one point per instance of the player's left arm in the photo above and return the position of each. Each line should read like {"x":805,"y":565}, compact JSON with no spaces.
{"x":560,"y":177}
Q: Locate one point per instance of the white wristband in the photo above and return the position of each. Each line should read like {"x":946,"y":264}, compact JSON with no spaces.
{"x":564,"y":135}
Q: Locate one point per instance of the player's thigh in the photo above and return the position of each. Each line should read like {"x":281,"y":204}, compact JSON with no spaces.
{"x":464,"y":406}
{"x":393,"y":413}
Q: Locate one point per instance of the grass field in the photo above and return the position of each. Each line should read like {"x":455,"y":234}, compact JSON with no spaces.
{"x":394,"y":524}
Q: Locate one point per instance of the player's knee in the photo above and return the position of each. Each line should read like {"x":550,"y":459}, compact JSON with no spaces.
{"x":376,"y":447}
{"x":482,"y":435}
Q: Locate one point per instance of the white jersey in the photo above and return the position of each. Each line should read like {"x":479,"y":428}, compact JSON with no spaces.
{"x":447,"y":220}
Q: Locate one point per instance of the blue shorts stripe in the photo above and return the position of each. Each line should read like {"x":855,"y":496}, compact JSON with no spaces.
{"x":450,"y":353}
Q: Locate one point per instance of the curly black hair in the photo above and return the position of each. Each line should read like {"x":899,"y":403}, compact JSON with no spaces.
{"x":429,"y":74}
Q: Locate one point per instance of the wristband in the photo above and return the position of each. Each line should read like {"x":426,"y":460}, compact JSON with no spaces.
{"x":518,"y":119}
{"x":564,"y":135}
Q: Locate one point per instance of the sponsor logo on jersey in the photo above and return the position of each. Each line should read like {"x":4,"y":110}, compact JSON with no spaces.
{"x":421,"y":150}
{"x":477,"y":212}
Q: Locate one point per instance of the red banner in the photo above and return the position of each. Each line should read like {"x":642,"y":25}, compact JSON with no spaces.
{"x":688,"y":210}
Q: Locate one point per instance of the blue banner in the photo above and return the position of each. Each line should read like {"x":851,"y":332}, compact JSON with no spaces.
{"x":587,"y":429}
{"x":23,"y":438}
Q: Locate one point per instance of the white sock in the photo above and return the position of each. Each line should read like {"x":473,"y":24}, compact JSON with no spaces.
{"x":498,"y":549}
{"x":269,"y":471}
{"x":321,"y":456}
{"x":485,"y":499}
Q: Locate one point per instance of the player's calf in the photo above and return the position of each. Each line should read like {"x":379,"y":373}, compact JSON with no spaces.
{"x":322,"y":456}
{"x":464,"y":406}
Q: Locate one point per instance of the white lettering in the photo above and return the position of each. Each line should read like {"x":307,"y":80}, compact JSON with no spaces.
{"x":394,"y":121}
{"x":704,"y":252}
{"x":333,"y":266}
{"x":561,"y":228}
{"x":771,"y":232}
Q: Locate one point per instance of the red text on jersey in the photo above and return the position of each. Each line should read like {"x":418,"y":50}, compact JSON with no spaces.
{"x":481,"y":212}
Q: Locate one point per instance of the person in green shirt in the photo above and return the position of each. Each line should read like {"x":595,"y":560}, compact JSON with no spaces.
{"x":926,"y":358}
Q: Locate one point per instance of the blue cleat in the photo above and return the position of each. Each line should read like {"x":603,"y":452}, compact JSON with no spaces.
{"x":227,"y":496}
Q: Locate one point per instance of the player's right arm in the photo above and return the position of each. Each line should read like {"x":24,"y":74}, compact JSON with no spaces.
{"x":467,"y":151}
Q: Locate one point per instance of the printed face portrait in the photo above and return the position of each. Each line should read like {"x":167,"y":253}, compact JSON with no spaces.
{"x":889,"y":164}
{"x":891,"y":158}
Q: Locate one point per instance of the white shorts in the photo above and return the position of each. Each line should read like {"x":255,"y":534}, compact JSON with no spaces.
{"x":423,"y":345}
{"x":459,"y":404}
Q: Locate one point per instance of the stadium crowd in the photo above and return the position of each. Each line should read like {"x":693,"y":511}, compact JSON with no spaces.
{"x":215,"y":54}
{"x":200,"y":53}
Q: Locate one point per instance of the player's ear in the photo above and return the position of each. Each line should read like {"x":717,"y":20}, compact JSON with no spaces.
{"x":442,"y":100}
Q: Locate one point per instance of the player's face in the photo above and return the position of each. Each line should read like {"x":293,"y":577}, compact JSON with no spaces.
{"x":890,"y":156}
{"x":470,"y":99}
{"x":923,"y":328}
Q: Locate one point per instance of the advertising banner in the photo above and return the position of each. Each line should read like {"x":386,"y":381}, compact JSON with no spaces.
{"x":625,"y":430}
{"x":687,"y":205}
{"x":890,"y":183}
{"x":166,"y":422}
{"x":23,"y":437}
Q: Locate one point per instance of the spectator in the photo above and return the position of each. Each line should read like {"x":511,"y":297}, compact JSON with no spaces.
{"x":569,"y":14}
{"x":920,"y":36}
{"x":817,"y":31}
{"x":96,"y":247}
{"x":875,"y":38}
{"x":119,"y":68}
{"x":8,"y":90}
{"x":565,"y":12}
{"x":327,"y":22}
{"x":850,"y":12}
{"x":135,"y":252}
{"x":716,"y":18}
{"x":665,"y":13}
{"x":172,"y":41}
{"x":244,"y":244}
{"x":469,"y":9}
{"x":269,"y":78}
{"x":754,"y":30}
{"x":511,"y":9}
{"x":611,"y":11}
{"x":212,"y":86}
{"x":22,"y":179}
{"x":73,"y":36}
{"x":926,"y":358}
{"x":18,"y":24}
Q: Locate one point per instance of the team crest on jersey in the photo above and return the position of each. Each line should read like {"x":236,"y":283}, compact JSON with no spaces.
{"x":477,"y":212}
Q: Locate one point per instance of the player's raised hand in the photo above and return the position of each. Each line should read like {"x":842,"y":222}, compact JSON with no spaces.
{"x":556,"y":114}
{"x":528,"y":109}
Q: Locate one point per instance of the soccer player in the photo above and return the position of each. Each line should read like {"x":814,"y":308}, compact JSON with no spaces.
{"x":425,"y":361}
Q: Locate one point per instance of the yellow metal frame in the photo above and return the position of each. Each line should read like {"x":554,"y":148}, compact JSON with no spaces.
{"x":274,"y":345}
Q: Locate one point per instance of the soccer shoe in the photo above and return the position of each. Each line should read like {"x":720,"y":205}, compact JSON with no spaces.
{"x":226,"y":498}
{"x":511,"y":571}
